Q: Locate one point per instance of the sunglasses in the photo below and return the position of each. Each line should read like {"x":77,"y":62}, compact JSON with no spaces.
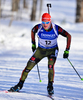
{"x":45,"y":22}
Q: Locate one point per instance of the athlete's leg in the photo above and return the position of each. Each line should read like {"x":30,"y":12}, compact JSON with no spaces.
{"x":36,"y":57}
{"x":51,"y":62}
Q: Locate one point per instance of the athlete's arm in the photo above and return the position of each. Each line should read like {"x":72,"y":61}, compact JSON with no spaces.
{"x":65,"y":34}
{"x":33,"y":32}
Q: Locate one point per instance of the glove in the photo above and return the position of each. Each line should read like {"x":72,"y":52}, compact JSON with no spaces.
{"x":33,"y":47}
{"x":66,"y":54}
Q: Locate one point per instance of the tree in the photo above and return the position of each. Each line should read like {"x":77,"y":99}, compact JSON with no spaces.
{"x":79,"y":11}
{"x":40,"y":9}
{"x":0,"y":10}
{"x":25,"y":5}
{"x":15,"y":5}
{"x":33,"y":13}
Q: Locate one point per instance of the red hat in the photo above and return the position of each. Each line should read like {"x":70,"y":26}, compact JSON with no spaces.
{"x":46,"y":16}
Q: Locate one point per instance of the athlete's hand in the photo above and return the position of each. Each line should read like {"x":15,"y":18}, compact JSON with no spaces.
{"x":33,"y":47}
{"x":66,"y":54}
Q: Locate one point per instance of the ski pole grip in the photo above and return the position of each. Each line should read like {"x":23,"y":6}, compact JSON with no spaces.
{"x":49,"y":5}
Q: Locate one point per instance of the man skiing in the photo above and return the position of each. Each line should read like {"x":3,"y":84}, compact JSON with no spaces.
{"x":48,"y":33}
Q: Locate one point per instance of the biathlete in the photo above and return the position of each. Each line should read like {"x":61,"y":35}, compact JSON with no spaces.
{"x":47,"y":33}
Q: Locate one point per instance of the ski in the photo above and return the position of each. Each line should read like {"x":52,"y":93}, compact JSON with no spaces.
{"x":6,"y":91}
{"x":51,"y":97}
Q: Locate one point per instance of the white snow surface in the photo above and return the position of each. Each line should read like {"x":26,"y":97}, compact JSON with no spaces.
{"x":15,"y":51}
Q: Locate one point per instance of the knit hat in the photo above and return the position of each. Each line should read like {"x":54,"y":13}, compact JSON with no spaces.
{"x":46,"y":16}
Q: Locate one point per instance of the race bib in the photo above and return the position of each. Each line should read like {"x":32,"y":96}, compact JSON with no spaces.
{"x":47,"y":43}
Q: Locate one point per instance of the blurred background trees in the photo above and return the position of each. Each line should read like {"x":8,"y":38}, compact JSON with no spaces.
{"x":33,"y":13}
{"x":15,"y":5}
{"x":0,"y":9}
{"x":20,"y":6}
{"x":79,"y":11}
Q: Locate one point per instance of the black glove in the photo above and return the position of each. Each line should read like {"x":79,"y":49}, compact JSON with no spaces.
{"x":66,"y":54}
{"x":33,"y":47}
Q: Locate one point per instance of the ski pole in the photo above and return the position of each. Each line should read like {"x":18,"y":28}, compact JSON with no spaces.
{"x":48,"y":5}
{"x":75,"y":70}
{"x":39,"y":74}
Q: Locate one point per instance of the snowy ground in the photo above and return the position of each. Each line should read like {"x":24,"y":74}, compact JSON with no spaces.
{"x":15,"y":50}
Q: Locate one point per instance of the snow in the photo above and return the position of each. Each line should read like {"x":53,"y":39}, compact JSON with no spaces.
{"x":15,"y":51}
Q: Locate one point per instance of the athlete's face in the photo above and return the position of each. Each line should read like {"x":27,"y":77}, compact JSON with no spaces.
{"x":46,"y":24}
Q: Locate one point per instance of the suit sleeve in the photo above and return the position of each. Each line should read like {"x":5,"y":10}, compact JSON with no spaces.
{"x":33,"y":32}
{"x":65,"y":34}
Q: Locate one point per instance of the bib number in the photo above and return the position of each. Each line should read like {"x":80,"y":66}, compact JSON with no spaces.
{"x":48,"y":42}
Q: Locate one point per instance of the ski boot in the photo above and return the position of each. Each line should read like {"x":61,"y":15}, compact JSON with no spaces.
{"x":50,"y":88}
{"x":17,"y":87}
